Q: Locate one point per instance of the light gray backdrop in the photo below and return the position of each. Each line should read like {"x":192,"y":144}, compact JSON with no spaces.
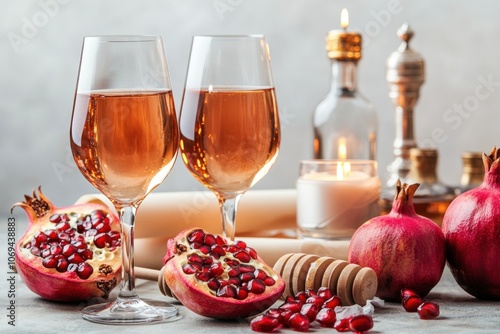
{"x":40,"y":44}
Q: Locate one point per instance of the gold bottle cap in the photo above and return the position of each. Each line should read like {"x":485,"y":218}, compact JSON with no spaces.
{"x":341,"y":44}
{"x":473,"y":161}
{"x":423,"y":164}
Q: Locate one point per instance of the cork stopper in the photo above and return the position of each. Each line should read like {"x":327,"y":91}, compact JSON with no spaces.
{"x":343,"y":45}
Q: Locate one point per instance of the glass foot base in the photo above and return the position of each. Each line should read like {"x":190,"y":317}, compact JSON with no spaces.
{"x":130,"y":311}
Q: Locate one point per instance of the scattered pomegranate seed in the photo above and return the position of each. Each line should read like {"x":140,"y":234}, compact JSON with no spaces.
{"x":324,"y":293}
{"x":361,"y":323}
{"x":292,"y":306}
{"x":299,"y":322}
{"x":332,"y":302}
{"x":310,"y":311}
{"x":408,"y":293}
{"x":411,"y":303}
{"x":264,"y":323}
{"x":342,"y":325}
{"x":326,"y":317}
{"x":428,"y":310}
{"x":319,"y":301}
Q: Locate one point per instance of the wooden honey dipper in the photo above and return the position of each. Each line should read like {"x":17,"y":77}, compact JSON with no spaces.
{"x":352,"y":283}
{"x":154,"y":275}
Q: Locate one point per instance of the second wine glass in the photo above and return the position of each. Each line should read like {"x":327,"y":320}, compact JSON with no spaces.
{"x":229,"y":123}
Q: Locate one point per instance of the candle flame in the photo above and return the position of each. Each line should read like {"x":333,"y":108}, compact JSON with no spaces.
{"x":342,"y":150}
{"x":344,"y":19}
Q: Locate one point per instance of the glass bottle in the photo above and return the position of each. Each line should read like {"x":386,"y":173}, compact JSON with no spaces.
{"x":345,"y":123}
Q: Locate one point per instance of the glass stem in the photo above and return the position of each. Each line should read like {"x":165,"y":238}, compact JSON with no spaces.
{"x":127,"y":221}
{"x":228,"y":207}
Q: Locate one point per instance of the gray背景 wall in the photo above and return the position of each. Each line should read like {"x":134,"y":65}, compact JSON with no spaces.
{"x":40,"y":47}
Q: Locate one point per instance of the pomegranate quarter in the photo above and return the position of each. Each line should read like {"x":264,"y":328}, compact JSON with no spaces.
{"x":69,"y":254}
{"x":219,"y":280}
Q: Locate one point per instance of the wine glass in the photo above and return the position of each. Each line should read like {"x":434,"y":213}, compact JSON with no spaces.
{"x":124,"y":139}
{"x":229,"y":123}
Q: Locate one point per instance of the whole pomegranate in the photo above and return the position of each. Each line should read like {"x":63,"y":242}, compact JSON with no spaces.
{"x":68,"y":254}
{"x":406,"y":250}
{"x":219,"y":280}
{"x":471,"y":226}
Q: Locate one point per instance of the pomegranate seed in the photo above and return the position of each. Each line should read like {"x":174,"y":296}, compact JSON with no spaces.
{"x":285,"y":317}
{"x":241,"y":293}
{"x":49,"y":262}
{"x":79,"y":227}
{"x":62,"y":265}
{"x":360,"y":323}
{"x":256,"y":286}
{"x":79,"y":244}
{"x":235,"y":280}
{"x":324,"y":293}
{"x":290,"y":299}
{"x":189,"y":269}
{"x":246,"y":268}
{"x":292,"y":306}
{"x":220,"y":240}
{"x":326,"y":317}
{"x":299,"y":322}
{"x":315,"y":300}
{"x":205,"y":249}
{"x":195,"y":258}
{"x":84,"y":270}
{"x":87,"y":254}
{"x":332,"y":302}
{"x":101,"y":239}
{"x":213,"y":284}
{"x":232,"y":263}
{"x":264,"y":323}
{"x":301,"y":296}
{"x":196,"y":236}
{"x":408,"y":293}
{"x":90,"y":232}
{"x":216,"y":269}
{"x":202,"y":276}
{"x":428,"y":310}
{"x":208,"y":260}
{"x":64,"y":237}
{"x":217,"y":249}
{"x":245,"y":277}
{"x":55,"y":250}
{"x":209,"y":240}
{"x":310,"y":311}
{"x":97,"y":214}
{"x":235,"y":271}
{"x":55,"y":218}
{"x":103,"y":228}
{"x":240,"y":244}
{"x":87,"y":225}
{"x":35,"y":251}
{"x":411,"y":303}
{"x":227,"y":291}
{"x":243,"y":256}
{"x":39,"y":238}
{"x":342,"y":325}
{"x":259,"y":273}
{"x":52,"y":235}
{"x":44,"y":245}
{"x":274,"y":312}
{"x":252,"y":252}
{"x":114,"y":235}
{"x":69,"y":249}
{"x":63,"y":226}
{"x":76,"y":258}
{"x":311,"y":293}
{"x":233,"y":249}
{"x":46,"y":252}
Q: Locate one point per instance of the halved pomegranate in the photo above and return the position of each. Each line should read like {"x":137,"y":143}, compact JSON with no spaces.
{"x":69,"y":254}
{"x":219,"y":280}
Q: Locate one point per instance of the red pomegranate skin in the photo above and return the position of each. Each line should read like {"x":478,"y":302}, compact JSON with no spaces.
{"x":406,"y":250}
{"x":196,"y":296}
{"x":472,"y":231}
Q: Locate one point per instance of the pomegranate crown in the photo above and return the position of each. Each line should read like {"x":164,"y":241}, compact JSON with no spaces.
{"x":36,"y":205}
{"x":491,"y":160}
{"x":405,"y":192}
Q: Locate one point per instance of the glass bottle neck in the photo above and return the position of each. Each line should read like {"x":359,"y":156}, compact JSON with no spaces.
{"x":344,"y":75}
